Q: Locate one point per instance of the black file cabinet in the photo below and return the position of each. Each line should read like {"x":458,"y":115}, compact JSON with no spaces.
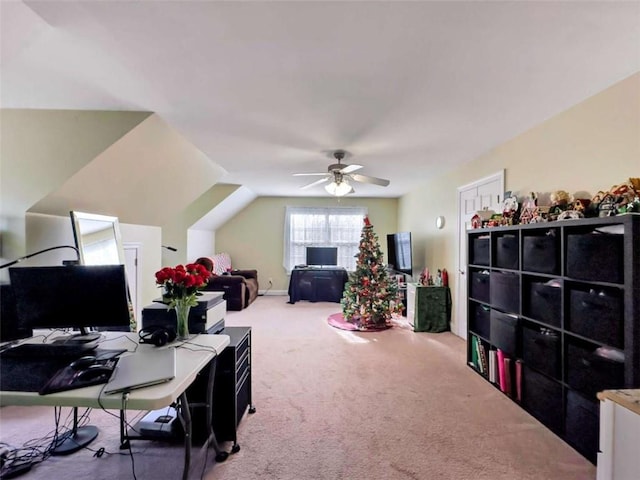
{"x":232,"y":388}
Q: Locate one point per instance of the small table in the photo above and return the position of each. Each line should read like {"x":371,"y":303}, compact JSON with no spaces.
{"x":428,"y":308}
{"x":191,"y":357}
{"x":317,"y":284}
{"x":619,"y":434}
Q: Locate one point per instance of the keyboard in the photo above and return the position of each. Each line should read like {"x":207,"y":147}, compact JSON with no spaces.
{"x":35,"y":350}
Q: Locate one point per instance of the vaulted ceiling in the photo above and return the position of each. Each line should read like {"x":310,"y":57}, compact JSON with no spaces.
{"x":268,"y":89}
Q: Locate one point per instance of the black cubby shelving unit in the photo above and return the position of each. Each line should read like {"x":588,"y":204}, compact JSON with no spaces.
{"x":561,"y":300}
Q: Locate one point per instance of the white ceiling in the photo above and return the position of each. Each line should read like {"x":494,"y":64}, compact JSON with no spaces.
{"x":267,"y":89}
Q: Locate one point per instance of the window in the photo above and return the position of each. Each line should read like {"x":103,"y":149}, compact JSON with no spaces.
{"x":322,"y":227}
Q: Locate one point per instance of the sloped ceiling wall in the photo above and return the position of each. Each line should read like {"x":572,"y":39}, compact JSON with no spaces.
{"x":129,"y":164}
{"x":147,"y":177}
{"x":42,"y":149}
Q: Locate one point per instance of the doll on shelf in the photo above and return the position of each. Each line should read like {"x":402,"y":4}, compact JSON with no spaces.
{"x":424,"y":276}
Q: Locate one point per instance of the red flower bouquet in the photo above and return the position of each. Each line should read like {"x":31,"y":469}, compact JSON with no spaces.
{"x":181,"y":286}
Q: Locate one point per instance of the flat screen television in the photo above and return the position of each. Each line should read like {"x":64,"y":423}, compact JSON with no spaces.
{"x":399,"y":252}
{"x":322,"y":256}
{"x":76,"y":297}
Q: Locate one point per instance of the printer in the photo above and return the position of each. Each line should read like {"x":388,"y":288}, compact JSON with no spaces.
{"x":206,"y":317}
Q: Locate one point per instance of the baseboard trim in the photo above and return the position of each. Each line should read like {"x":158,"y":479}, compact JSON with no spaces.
{"x":272,"y":292}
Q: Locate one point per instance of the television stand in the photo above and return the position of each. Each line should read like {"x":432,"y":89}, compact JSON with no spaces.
{"x":317,"y":284}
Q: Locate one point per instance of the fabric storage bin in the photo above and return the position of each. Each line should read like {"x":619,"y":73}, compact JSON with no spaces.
{"x":479,"y":287}
{"x":590,"y":372}
{"x":504,"y":332}
{"x":481,"y":321}
{"x":507,"y":255}
{"x":597,"y":314}
{"x":505,"y":291}
{"x":545,"y":303}
{"x":479,"y":251}
{"x":582,"y":424}
{"x":595,"y":256}
{"x":541,"y":350}
{"x":540,"y":254}
{"x":542,"y":397}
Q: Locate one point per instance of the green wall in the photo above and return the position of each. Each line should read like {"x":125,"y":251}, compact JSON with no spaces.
{"x":254,"y":237}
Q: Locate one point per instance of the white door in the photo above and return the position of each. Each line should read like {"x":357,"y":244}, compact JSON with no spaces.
{"x":131,"y":254}
{"x":484,"y":193}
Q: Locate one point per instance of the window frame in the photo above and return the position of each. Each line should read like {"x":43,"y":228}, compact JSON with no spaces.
{"x":326,"y":234}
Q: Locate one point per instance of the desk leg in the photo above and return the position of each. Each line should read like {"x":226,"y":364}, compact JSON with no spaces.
{"x":185,"y":418}
{"x":124,"y":437}
{"x":221,"y":455}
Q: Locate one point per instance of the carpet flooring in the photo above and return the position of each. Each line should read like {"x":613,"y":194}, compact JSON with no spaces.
{"x":339,"y":405}
{"x":337,"y":320}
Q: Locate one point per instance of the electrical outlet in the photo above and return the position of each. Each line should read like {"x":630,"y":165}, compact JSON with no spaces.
{"x":270,"y":280}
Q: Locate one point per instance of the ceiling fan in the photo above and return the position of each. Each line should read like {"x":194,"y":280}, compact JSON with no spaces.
{"x":340,"y":176}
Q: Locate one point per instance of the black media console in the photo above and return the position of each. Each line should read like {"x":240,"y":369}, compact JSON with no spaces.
{"x":317,"y":284}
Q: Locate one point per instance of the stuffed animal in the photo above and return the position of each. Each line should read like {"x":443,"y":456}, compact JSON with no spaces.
{"x":560,"y":198}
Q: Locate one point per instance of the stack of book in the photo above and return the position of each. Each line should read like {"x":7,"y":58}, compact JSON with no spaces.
{"x":501,"y":369}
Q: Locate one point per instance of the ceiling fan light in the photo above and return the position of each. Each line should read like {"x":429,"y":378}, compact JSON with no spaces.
{"x":338,"y":189}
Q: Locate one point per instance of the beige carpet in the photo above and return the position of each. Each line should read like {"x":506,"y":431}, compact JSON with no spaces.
{"x":333,"y":404}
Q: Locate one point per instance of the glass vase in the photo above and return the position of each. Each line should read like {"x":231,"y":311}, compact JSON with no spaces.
{"x":182,"y":317}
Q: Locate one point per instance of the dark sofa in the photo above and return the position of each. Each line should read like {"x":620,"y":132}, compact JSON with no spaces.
{"x":240,"y":287}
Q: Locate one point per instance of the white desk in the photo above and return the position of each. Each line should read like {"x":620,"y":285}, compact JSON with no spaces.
{"x":191,"y":357}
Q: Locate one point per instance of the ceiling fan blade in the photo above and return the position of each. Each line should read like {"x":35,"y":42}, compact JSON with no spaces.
{"x":313,"y":184}
{"x":308,"y":174}
{"x":372,"y":180}
{"x":351,"y":168}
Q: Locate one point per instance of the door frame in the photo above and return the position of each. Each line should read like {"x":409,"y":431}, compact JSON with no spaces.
{"x":136,"y":282}
{"x":461,"y":250}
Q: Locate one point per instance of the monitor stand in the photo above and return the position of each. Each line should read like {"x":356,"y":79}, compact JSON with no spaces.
{"x":88,"y":340}
{"x":80,"y":437}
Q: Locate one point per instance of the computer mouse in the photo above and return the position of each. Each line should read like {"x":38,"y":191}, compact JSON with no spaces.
{"x":93,"y":372}
{"x":83,"y":362}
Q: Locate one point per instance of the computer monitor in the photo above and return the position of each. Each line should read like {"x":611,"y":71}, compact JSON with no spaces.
{"x":98,"y":238}
{"x":322,"y":256}
{"x":76,"y":297}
